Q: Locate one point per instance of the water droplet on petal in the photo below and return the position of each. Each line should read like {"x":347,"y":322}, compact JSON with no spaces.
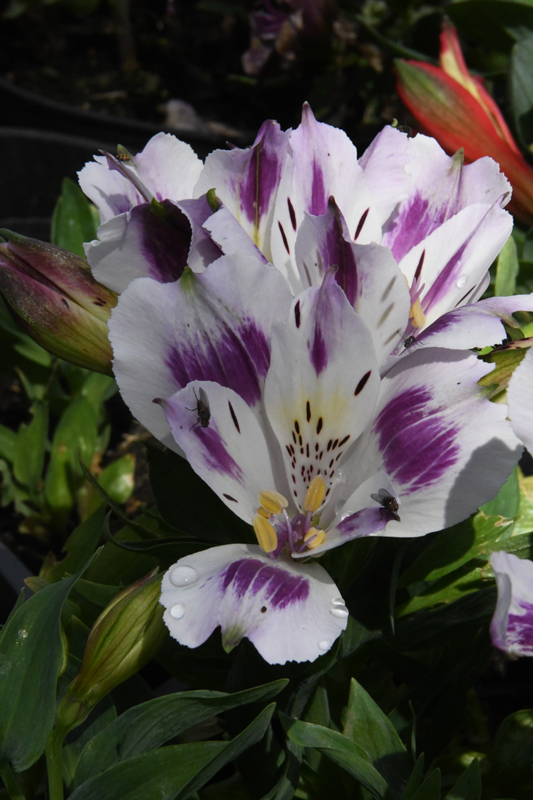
{"x":340,"y":611}
{"x":324,"y":645}
{"x":461,"y":280}
{"x":337,"y":601}
{"x":177,"y":611}
{"x":183,"y":576}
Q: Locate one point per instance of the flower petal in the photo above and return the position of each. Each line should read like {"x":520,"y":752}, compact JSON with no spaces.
{"x":511,"y":628}
{"x":445,"y":447}
{"x":384,"y":163}
{"x":520,"y":399}
{"x":148,"y":241}
{"x":289,"y":611}
{"x":322,"y":163}
{"x":440,"y":188}
{"x":368,"y":274}
{"x":225,"y":445}
{"x":318,"y":401}
{"x":200,"y":328}
{"x":453,"y":260}
{"x":247,"y":181}
{"x":168,"y":168}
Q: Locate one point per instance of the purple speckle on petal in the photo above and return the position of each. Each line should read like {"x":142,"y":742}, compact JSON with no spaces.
{"x":277,"y":585}
{"x":418,"y":447}
{"x":519,"y":634}
{"x":237,"y":359}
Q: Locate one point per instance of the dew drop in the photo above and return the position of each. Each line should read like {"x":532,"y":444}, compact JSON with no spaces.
{"x":183,"y":576}
{"x":177,"y":611}
{"x":461,"y":281}
{"x":22,"y":634}
{"x":337,"y":601}
{"x":339,"y":611}
{"x":324,"y":645}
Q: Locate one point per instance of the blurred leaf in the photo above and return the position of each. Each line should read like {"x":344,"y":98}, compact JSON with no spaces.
{"x":97,"y":388}
{"x":430,"y":789}
{"x":506,"y":360}
{"x":415,"y":779}
{"x":80,"y":545}
{"x":503,"y":20}
{"x":28,"y":462}
{"x":187,"y":503}
{"x":507,"y":267}
{"x":31,"y":656}
{"x":117,"y":480}
{"x":72,"y":221}
{"x":151,"y":724}
{"x":524,"y":523}
{"x":340,"y":749}
{"x":367,"y":725}
{"x":521,"y":90}
{"x":74,"y":438}
{"x":173,"y":772}
{"x":512,"y":753}
{"x":97,"y":721}
{"x":468,"y":787}
{"x":8,"y":443}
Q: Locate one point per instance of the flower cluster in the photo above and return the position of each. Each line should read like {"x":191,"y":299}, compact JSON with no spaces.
{"x":298,"y":323}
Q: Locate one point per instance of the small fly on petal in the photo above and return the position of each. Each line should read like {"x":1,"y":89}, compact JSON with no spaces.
{"x":202,"y":409}
{"x":389,"y":503}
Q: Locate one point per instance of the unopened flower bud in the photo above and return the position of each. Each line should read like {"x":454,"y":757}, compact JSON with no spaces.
{"x":53,"y":296}
{"x":124,"y":638}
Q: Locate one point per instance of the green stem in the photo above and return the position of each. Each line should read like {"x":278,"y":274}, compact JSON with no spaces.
{"x":54,"y":764}
{"x":10,"y":782}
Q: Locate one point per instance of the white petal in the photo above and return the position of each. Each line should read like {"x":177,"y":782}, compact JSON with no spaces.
{"x":289,"y":611}
{"x":520,"y":399}
{"x":512,"y":624}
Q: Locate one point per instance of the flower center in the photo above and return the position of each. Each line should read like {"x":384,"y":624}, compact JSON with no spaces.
{"x":276,"y":531}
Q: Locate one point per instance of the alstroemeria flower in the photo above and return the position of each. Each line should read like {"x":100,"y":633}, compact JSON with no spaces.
{"x":303,"y":201}
{"x":453,"y":106}
{"x":520,"y":399}
{"x":512,"y":624}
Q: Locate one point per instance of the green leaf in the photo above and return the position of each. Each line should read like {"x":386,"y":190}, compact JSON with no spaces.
{"x":74,"y":438}
{"x":524,"y":523}
{"x":187,"y":503}
{"x":367,"y":725}
{"x":8,"y":443}
{"x":468,"y":787}
{"x":415,"y":779}
{"x":80,"y":545}
{"x":521,"y":89}
{"x":173,"y":772}
{"x":506,"y":502}
{"x":512,"y":754}
{"x":149,"y":725}
{"x":30,"y":449}
{"x":31,"y":656}
{"x":507,"y":267}
{"x":503,"y":20}
{"x":430,"y":789}
{"x":340,"y":749}
{"x":73,"y":221}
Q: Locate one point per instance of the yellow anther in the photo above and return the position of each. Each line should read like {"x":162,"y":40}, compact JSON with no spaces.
{"x":266,"y":535}
{"x":264,"y":512}
{"x":416,"y":315}
{"x":314,"y":496}
{"x":319,"y":537}
{"x":273,"y":502}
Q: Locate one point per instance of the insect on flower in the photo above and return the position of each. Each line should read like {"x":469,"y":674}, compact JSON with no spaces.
{"x":123,"y":157}
{"x":202,"y":409}
{"x":389,"y":503}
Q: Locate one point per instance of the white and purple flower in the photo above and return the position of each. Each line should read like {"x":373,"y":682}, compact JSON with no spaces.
{"x":511,"y":628}
{"x":301,"y":436}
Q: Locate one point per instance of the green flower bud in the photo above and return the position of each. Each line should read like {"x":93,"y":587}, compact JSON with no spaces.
{"x":124,"y":638}
{"x":52,"y":294}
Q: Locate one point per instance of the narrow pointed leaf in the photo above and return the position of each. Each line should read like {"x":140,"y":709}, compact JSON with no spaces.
{"x":468,"y":787}
{"x":73,"y":221}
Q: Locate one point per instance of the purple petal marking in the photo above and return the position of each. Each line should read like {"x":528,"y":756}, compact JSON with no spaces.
{"x":417,"y":447}
{"x":363,"y":522}
{"x":165,"y":239}
{"x":281,"y":588}
{"x":235,"y":360}
{"x":262,"y":172}
{"x":215,"y":452}
{"x":417,"y":219}
{"x":318,"y":201}
{"x":318,"y":350}
{"x":445,"y":278}
{"x":520,"y":629}
{"x":336,"y":250}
